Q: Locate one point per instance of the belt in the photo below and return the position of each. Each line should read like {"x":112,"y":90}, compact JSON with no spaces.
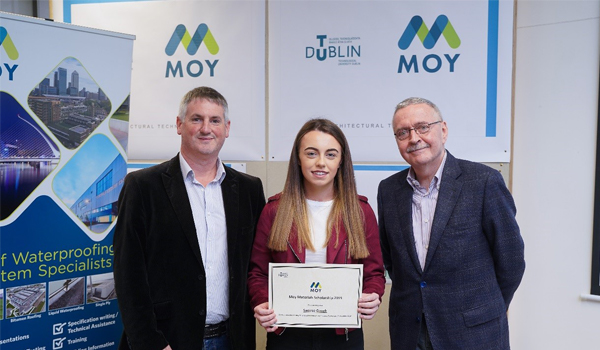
{"x":215,"y":330}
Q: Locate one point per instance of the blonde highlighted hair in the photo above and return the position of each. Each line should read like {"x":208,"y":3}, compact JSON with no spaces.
{"x":292,"y":212}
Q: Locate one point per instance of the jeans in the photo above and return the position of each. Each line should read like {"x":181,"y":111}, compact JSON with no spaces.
{"x":217,"y":343}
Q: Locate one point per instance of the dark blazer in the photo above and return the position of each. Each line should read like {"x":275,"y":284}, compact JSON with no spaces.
{"x":474,"y":263}
{"x":159,"y":276}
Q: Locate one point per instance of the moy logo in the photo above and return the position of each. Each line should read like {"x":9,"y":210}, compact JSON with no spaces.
{"x":191,"y":43}
{"x":11,"y":51}
{"x":429,"y":38}
{"x":417,"y":27}
{"x":315,"y":287}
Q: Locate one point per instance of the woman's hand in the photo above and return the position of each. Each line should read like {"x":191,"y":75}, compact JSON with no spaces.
{"x":266,"y":317}
{"x":368,"y":304}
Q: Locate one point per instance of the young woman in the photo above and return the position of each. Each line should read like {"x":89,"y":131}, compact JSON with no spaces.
{"x":318,"y":218}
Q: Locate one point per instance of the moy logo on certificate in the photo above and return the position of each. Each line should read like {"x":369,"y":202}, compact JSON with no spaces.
{"x":193,"y":68}
{"x":431,"y":63}
{"x":11,"y":51}
{"x":315,"y":287}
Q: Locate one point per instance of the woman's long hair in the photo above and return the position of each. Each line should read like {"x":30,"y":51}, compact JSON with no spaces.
{"x":293,"y":213}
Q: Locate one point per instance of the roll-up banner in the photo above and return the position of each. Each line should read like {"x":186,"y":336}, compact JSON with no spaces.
{"x":64,"y":115}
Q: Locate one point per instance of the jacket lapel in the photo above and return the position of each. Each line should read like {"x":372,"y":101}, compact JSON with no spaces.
{"x":175,"y":187}
{"x":341,"y":248}
{"x":450,"y":188}
{"x":231,"y":202}
{"x":299,"y":253}
{"x":403,"y":196}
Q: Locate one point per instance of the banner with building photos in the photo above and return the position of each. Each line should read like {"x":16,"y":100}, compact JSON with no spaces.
{"x":64,"y":109}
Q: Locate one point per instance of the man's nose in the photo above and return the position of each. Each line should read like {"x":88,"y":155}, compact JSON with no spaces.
{"x":205,"y":128}
{"x":413,"y":136}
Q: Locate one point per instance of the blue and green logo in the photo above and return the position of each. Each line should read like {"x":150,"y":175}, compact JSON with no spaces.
{"x":8,"y":45}
{"x":431,"y":63}
{"x":192,"y":43}
{"x":315,"y":287}
{"x":195,"y":67}
{"x":429,"y":37}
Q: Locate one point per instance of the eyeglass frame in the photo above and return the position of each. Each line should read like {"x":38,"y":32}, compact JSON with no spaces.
{"x":428,"y":125}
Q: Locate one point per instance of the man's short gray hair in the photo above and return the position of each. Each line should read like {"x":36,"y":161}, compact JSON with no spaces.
{"x":206,"y":93}
{"x":417,"y":101}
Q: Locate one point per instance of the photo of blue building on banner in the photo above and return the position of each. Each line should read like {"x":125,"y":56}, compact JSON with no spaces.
{"x":97,"y":206}
{"x":91,"y":181}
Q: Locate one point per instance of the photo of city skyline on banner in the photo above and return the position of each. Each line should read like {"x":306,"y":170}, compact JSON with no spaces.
{"x":70,"y":103}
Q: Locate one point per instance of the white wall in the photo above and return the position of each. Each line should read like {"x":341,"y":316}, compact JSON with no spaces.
{"x":555,"y":119}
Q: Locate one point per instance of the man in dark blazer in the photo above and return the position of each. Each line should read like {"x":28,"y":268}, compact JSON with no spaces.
{"x":449,"y":239}
{"x":183,"y":240}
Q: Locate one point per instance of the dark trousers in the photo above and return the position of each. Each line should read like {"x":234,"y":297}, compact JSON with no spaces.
{"x":424,"y":340}
{"x":315,"y":339}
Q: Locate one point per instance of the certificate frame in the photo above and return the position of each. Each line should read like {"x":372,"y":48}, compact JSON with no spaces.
{"x":316,"y":295}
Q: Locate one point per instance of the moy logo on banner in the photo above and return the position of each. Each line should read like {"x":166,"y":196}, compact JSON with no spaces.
{"x":11,"y":51}
{"x":194,"y":68}
{"x":431,"y":63}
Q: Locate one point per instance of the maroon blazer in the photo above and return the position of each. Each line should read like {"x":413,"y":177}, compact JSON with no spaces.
{"x":373,"y":271}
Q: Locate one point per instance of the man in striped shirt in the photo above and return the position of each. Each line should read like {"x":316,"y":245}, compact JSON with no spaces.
{"x":449,"y":239}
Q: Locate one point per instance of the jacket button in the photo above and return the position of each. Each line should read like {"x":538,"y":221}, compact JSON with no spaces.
{"x":200,"y":277}
{"x":423,"y":284}
{"x":418,"y":319}
{"x":201,"y":312}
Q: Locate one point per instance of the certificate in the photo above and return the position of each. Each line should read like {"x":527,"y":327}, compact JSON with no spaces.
{"x":316,"y":295}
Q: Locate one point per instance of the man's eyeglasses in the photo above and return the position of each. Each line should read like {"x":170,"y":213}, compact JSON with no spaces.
{"x":420,"y":129}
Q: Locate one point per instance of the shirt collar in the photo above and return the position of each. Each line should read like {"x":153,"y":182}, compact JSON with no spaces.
{"x":187,"y":172}
{"x":437,"y":178}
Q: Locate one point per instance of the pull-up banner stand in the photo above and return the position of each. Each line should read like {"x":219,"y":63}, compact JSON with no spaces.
{"x":64,"y":105}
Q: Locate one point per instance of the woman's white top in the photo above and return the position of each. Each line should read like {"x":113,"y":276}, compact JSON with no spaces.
{"x":318,"y":212}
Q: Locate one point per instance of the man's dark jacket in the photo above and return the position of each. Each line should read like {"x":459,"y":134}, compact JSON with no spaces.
{"x":159,"y":275}
{"x":474,"y":263}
